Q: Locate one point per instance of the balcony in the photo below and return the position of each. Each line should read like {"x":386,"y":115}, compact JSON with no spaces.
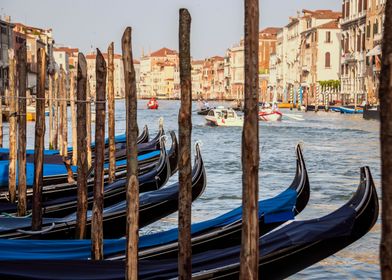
{"x":349,"y":58}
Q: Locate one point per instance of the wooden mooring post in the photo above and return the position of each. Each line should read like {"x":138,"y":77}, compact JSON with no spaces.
{"x":81,"y":218}
{"x":111,"y":114}
{"x":72,"y":95}
{"x":88,"y":123}
{"x":64,"y":114}
{"x":60,"y":110}
{"x":22,"y":79}
{"x":385,"y":94}
{"x":2,"y":97}
{"x":131,"y":263}
{"x":50,"y":105}
{"x":55,"y":127}
{"x":12,"y":126}
{"x":97,"y":223}
{"x":184,"y":163}
{"x":36,"y":222}
{"x":249,"y":258}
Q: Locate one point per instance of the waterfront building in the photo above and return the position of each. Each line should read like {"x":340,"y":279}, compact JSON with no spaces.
{"x":353,"y":60}
{"x":375,"y":16}
{"x":267,"y":45}
{"x":159,"y":74}
{"x":281,"y":66}
{"x":119,"y":85}
{"x":236,"y":71}
{"x":6,"y":43}
{"x":197,"y":79}
{"x":319,"y":51}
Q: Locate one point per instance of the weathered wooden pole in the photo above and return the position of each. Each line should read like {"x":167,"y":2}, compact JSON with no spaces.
{"x":81,"y":215}
{"x":111,"y":122}
{"x":55,"y":133}
{"x":249,"y":258}
{"x":131,"y":263}
{"x":12,"y":125}
{"x":184,"y":163}
{"x":385,"y":94}
{"x":61,"y":109}
{"x":36,"y":221}
{"x":50,"y":105}
{"x":72,"y":95}
{"x":97,"y":219}
{"x":22,"y":78}
{"x":88,"y":123}
{"x":64,"y":117}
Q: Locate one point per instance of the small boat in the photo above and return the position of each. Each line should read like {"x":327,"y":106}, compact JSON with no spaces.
{"x":152,"y":104}
{"x":347,"y":110}
{"x":371,"y":113}
{"x":270,"y":114}
{"x":204,"y":107}
{"x":221,"y":116}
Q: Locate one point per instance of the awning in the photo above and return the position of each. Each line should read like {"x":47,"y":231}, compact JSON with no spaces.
{"x":375,"y":51}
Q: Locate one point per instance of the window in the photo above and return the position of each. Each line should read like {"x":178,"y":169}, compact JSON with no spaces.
{"x":359,"y":42}
{"x":360,"y":6}
{"x":368,"y":30}
{"x":327,"y":60}
{"x":343,"y":10}
{"x":328,"y":37}
{"x":347,"y":9}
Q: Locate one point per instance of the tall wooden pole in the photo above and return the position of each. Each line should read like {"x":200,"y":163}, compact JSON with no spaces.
{"x":385,"y":94}
{"x":82,"y":148}
{"x":36,"y":221}
{"x":111,"y":122}
{"x":2,"y":97}
{"x":50,"y":105}
{"x":61,"y":109}
{"x":22,"y":78}
{"x":97,"y":223}
{"x":88,"y":123}
{"x":55,"y":133}
{"x":12,"y":129}
{"x":184,"y":163}
{"x":64,"y":117}
{"x":250,"y":147}
{"x":72,"y":95}
{"x":131,"y":264}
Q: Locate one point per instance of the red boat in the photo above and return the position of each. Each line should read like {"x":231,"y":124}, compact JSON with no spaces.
{"x":152,"y":104}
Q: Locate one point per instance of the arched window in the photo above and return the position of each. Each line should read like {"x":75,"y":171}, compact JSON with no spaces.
{"x":368,"y":30}
{"x":327,"y":59}
{"x":375,"y":28}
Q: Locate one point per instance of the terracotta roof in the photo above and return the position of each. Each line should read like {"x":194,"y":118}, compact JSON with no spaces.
{"x":322,"y":14}
{"x":65,"y":49}
{"x":163,"y":52}
{"x":217,"y":57}
{"x":333,"y":24}
{"x":197,"y":62}
{"x":270,"y":30}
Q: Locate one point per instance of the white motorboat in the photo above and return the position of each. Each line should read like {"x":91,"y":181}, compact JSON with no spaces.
{"x":221,"y":116}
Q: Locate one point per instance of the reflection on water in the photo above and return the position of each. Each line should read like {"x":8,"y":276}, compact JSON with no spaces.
{"x":335,"y":147}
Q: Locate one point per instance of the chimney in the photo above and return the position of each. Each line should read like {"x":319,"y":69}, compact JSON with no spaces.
{"x":7,"y":19}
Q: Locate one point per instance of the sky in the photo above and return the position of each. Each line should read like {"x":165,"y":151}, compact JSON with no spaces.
{"x":89,"y":24}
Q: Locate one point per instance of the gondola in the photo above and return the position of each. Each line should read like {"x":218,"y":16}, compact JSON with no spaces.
{"x":58,"y":191}
{"x":56,"y":172}
{"x":115,"y":192}
{"x":283,"y":252}
{"x":153,"y":206}
{"x":216,"y":233}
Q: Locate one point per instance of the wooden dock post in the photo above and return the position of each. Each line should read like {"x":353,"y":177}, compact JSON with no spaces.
{"x":55,"y":133}
{"x":2,"y":97}
{"x":22,"y":78}
{"x":64,"y":118}
{"x":50,"y":105}
{"x":81,"y":218}
{"x":97,"y":223}
{"x":250,"y":147}
{"x":12,"y":126}
{"x":184,"y":163}
{"x":72,"y":95}
{"x":131,"y":263}
{"x":111,"y":112}
{"x":88,"y":123}
{"x":36,"y":222}
{"x":385,"y":94}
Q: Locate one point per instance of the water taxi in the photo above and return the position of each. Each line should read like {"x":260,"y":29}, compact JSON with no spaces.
{"x":221,"y":116}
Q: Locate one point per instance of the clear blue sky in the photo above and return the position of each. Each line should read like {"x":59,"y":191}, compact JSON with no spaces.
{"x":216,"y":24}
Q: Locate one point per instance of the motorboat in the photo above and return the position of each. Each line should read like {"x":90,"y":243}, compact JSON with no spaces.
{"x":152,"y":104}
{"x":221,"y":116}
{"x":268,"y":113}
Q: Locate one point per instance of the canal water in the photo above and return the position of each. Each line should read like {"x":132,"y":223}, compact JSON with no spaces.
{"x":335,"y":147}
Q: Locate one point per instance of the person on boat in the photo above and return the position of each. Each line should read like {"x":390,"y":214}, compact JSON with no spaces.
{"x":206,"y":105}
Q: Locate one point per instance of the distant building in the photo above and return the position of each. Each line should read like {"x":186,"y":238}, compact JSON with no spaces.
{"x":353,"y":61}
{"x":375,"y":17}
{"x":119,"y":84}
{"x":6,"y":43}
